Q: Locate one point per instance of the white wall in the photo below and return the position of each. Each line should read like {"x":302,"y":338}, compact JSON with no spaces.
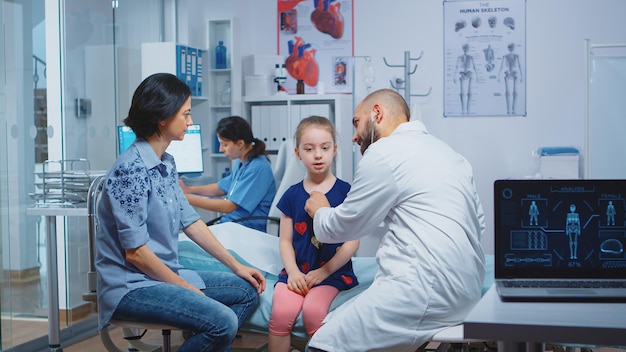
{"x":497,"y":147}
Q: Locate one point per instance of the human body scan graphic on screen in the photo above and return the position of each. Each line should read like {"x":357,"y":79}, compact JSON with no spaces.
{"x":572,"y":228}
{"x":563,"y":227}
{"x":610,"y":214}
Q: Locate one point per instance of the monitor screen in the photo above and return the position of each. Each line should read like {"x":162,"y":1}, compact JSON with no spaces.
{"x":125,"y":137}
{"x":187,"y":153}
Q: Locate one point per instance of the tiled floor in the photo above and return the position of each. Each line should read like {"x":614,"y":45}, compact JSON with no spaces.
{"x":248,"y":342}
{"x":23,"y":306}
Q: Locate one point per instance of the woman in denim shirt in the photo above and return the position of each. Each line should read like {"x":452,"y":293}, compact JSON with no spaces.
{"x":141,"y":213}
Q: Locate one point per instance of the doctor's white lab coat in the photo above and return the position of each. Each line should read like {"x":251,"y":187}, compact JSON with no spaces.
{"x":431,"y":263}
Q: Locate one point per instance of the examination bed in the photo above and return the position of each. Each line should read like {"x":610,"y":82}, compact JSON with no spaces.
{"x":260,"y":250}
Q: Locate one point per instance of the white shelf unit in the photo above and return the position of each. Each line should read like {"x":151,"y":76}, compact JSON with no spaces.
{"x":225,"y":30}
{"x":275,"y":118}
{"x":162,"y":57}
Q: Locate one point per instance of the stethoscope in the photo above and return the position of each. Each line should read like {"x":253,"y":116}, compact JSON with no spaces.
{"x":237,"y":176}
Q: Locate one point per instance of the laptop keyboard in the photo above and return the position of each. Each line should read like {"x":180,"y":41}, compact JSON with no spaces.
{"x":564,"y":284}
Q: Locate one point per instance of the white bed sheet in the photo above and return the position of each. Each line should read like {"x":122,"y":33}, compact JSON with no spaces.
{"x":257,"y":248}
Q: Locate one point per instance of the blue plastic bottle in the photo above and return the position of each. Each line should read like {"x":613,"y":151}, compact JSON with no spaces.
{"x":220,"y":55}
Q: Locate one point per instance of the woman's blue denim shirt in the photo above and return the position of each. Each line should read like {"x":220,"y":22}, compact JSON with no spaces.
{"x":141,"y":203}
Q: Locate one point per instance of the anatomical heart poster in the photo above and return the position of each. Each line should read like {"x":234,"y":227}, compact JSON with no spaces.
{"x":316,"y":39}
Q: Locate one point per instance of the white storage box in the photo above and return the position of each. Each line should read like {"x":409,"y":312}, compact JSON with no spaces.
{"x":560,"y":166}
{"x":260,"y":65}
{"x":258,"y":86}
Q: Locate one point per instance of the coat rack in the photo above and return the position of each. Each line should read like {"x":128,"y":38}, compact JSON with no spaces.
{"x":407,"y":77}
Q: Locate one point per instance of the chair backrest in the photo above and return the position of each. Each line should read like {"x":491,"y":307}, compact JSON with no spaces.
{"x":93,"y":196}
{"x":288,"y":171}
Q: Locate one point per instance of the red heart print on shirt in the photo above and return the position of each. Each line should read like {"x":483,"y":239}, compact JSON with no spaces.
{"x":300,"y":227}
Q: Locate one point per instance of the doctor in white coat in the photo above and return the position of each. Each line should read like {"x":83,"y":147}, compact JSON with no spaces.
{"x":431,"y":263}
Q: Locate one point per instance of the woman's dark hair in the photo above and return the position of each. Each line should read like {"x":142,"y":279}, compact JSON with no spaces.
{"x":157,"y":98}
{"x":234,"y":128}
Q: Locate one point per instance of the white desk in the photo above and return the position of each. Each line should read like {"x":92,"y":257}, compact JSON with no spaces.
{"x":50,"y":213}
{"x":520,"y":325}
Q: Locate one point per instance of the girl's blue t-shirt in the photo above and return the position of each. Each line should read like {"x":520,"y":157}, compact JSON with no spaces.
{"x":311,"y":254}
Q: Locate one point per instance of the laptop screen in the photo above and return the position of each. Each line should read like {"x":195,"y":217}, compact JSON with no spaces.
{"x":560,"y":228}
{"x":187,"y":153}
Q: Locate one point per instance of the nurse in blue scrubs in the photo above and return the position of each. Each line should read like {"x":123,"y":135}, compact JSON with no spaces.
{"x":250,"y":187}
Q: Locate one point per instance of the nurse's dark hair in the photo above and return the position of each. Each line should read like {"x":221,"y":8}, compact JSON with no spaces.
{"x":234,"y":128}
{"x":316,"y":121}
{"x":158,"y":98}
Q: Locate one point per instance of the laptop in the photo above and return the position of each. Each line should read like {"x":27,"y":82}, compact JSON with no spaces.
{"x":560,"y":240}
{"x":187,"y":153}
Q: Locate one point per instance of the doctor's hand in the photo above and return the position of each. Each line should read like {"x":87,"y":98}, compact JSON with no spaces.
{"x":316,"y":200}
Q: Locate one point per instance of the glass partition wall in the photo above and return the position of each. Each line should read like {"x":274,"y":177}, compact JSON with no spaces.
{"x":20,"y":299}
{"x":67,"y":72}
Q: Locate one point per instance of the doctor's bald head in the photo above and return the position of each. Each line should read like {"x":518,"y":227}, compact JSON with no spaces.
{"x":377,"y":116}
{"x":393,"y":103}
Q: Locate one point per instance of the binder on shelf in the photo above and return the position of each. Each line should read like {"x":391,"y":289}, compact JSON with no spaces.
{"x":181,"y":62}
{"x":283,"y":127}
{"x":305,"y":111}
{"x":265,"y":125}
{"x":295,"y":114}
{"x":199,"y":68}
{"x":275,"y":121}
{"x":216,"y":145}
{"x":321,"y":110}
{"x":194,"y":71}
{"x":255,"y":123}
{"x":190,"y":66}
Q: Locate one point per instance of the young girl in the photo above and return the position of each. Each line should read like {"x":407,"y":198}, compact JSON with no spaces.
{"x":314,"y":272}
{"x":250,"y":188}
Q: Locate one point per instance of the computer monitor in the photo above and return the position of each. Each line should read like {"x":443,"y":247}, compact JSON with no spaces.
{"x":187,"y":153}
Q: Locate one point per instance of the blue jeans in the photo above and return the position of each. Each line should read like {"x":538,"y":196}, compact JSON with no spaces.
{"x":214,"y":318}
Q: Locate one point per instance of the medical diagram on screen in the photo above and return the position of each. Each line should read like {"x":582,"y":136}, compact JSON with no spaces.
{"x":575,"y":229}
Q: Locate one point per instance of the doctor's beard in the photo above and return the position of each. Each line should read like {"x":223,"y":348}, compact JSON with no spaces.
{"x":367,"y":140}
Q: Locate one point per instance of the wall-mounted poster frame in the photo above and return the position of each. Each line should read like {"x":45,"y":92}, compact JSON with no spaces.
{"x":485,"y":58}
{"x":315,"y":37}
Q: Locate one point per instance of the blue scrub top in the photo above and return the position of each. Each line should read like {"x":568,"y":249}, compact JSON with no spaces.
{"x":252,"y":187}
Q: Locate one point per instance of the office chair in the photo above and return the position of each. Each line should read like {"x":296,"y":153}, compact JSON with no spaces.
{"x":134,"y":337}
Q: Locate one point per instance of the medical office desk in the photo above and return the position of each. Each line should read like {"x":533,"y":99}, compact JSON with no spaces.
{"x":50,"y":213}
{"x":529,"y":325}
